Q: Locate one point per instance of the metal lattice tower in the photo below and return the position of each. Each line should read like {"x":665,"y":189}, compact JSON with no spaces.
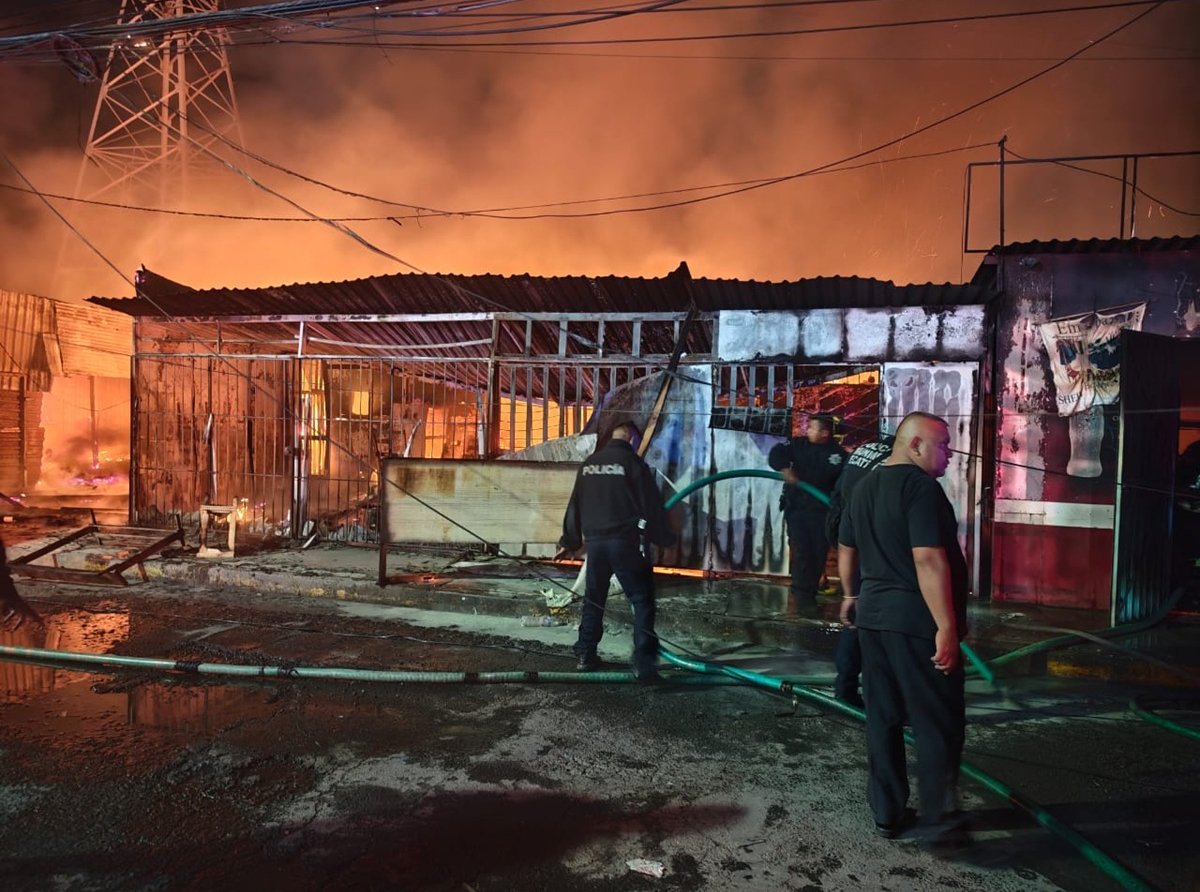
{"x":163,"y":101}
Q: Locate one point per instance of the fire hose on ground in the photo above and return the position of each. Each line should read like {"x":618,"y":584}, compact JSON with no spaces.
{"x":794,"y":687}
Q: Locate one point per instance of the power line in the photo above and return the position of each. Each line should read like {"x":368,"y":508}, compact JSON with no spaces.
{"x":791,"y":32}
{"x":1109,"y":176}
{"x":491,"y":213}
{"x":483,"y":49}
{"x":851,"y":158}
{"x":251,"y":19}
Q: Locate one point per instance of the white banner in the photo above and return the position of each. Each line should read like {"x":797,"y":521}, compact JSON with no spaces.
{"x":1085,"y":356}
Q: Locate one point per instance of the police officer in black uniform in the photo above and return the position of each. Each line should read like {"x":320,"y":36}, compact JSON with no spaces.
{"x":848,"y":657}
{"x":815,"y":459}
{"x":616,"y":508}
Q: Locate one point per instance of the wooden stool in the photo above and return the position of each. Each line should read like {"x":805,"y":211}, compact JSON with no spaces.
{"x":207,"y":513}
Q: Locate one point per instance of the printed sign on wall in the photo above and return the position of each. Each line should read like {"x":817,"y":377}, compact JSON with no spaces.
{"x":1085,"y":356}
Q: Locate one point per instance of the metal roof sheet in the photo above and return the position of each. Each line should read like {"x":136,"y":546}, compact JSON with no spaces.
{"x":436,"y":293}
{"x":26,"y":323}
{"x":94,"y":341}
{"x":1099,"y":245}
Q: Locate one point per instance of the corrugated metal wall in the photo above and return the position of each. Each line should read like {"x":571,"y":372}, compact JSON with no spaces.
{"x":93,"y":341}
{"x":26,"y":321}
{"x":1152,"y":366}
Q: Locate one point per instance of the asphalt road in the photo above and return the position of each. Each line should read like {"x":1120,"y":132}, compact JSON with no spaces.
{"x":138,"y":781}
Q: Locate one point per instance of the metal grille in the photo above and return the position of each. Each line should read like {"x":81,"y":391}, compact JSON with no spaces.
{"x":777,"y":399}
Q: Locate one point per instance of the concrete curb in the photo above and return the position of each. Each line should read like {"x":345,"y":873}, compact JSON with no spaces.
{"x":678,"y":618}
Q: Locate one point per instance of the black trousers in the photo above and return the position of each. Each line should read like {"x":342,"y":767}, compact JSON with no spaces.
{"x":809,"y":548}
{"x":847,"y":659}
{"x":899,"y":682}
{"x":623,"y":557}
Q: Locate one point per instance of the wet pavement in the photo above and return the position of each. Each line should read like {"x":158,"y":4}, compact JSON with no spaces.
{"x":137,"y":780}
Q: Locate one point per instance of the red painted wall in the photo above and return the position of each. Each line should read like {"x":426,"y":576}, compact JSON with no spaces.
{"x":1052,"y":566}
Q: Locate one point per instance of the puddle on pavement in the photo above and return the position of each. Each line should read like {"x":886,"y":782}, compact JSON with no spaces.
{"x":69,"y":700}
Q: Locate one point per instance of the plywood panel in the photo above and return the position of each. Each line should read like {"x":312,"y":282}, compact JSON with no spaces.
{"x":472,"y":502}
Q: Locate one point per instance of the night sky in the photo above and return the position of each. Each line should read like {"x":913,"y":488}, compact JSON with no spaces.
{"x":552,"y":112}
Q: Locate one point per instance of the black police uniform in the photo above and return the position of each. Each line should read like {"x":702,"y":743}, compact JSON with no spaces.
{"x":847,"y":659}
{"x":617,"y":508}
{"x":819,"y":466}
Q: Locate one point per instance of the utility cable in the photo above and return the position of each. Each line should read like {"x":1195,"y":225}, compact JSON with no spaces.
{"x":426,"y":213}
{"x":1108,"y":176}
{"x":791,"y":32}
{"x":895,"y":140}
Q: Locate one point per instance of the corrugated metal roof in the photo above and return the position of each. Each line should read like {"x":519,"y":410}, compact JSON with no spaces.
{"x":1100,"y":245}
{"x":436,"y":293}
{"x":94,"y":341}
{"x":41,"y":337}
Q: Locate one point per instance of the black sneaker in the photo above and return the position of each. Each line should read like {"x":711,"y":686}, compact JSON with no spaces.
{"x":891,"y":831}
{"x":650,"y":678}
{"x":587,"y":664}
{"x":946,"y":842}
{"x":808,"y":608}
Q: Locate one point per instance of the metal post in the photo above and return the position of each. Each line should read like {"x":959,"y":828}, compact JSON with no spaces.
{"x":1133,"y":200}
{"x":1124,"y":189}
{"x":22,"y":436}
{"x":1000,"y":247}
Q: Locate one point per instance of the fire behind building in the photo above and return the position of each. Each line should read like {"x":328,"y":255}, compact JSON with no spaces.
{"x":64,"y":403}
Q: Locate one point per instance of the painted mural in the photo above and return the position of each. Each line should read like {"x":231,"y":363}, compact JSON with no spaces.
{"x":735,"y":524}
{"x":1085,"y":363}
{"x":1058,"y":372}
{"x":948,"y":391}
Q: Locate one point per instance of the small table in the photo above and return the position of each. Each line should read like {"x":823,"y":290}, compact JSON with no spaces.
{"x":208,"y":513}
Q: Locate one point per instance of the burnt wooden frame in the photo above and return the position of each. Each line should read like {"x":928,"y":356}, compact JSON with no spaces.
{"x":110,"y":575}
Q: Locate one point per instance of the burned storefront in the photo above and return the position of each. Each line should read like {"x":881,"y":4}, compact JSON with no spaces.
{"x":1097,"y":383}
{"x":64,"y":404}
{"x":281,"y":402}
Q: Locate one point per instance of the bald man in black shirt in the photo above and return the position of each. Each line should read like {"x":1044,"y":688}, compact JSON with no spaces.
{"x":900,"y":532}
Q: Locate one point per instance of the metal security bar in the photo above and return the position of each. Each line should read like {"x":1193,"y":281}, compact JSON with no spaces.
{"x":288,"y":417}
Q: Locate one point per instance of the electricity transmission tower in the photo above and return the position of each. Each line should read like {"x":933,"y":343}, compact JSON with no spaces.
{"x":164,"y":101}
{"x":165,"y":104}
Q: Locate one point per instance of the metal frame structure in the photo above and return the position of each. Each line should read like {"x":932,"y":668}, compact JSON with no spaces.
{"x":110,"y":575}
{"x":290,"y":414}
{"x":164,"y":101}
{"x":1128,"y":180}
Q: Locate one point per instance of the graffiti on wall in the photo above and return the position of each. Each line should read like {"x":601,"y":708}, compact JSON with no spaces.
{"x":946,"y":390}
{"x":1187,"y":307}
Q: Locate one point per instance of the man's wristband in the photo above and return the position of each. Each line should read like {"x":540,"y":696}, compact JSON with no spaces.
{"x":849,"y":597}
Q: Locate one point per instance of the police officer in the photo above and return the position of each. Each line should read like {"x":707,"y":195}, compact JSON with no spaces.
{"x":617,"y":509}
{"x":848,"y":656}
{"x":815,"y":459}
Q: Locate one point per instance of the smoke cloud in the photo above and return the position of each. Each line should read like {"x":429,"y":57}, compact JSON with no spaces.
{"x":470,"y":129}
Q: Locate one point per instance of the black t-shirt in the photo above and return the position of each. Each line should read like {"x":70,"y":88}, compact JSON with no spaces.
{"x":895,"y":509}
{"x":862,"y":461}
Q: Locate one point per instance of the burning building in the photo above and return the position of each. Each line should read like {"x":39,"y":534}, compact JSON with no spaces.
{"x":283,"y":400}
{"x":64,"y":400}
